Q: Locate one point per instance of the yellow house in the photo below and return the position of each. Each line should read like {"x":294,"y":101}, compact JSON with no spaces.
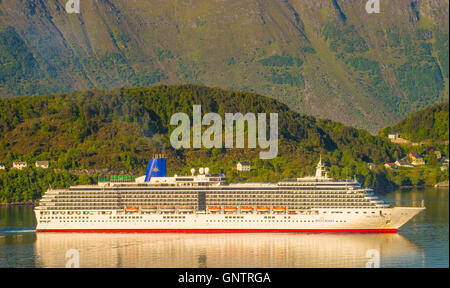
{"x":416,"y":159}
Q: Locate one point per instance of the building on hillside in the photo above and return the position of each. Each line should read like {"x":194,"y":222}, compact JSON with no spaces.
{"x":243,"y":166}
{"x":2,"y":166}
{"x":438,"y":154}
{"x":370,"y":166}
{"x":19,"y":165}
{"x":403,"y":163}
{"x":42,"y":164}
{"x":416,"y":159}
{"x":443,"y":168}
{"x":393,"y":136}
{"x":391,"y":165}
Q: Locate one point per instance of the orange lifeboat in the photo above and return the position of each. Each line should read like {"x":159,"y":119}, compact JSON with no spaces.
{"x":214,"y":208}
{"x":132,"y":209}
{"x":279,"y":208}
{"x":230,"y":209}
{"x":246,"y":208}
{"x":263,"y":208}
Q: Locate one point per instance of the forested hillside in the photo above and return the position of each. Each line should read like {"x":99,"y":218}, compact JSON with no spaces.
{"x":428,"y":124}
{"x":120,"y":130}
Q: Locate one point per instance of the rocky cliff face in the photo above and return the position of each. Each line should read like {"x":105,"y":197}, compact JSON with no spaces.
{"x":327,"y":58}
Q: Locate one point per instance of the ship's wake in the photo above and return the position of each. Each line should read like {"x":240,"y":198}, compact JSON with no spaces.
{"x":15,"y":230}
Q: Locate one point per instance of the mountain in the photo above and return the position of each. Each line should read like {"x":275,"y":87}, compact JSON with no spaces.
{"x":326,"y":58}
{"x":428,"y":124}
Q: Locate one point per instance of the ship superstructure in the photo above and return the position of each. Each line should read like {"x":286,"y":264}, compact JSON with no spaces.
{"x":202,"y":202}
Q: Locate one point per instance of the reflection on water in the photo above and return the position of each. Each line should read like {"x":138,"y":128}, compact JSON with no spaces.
{"x":224,"y":250}
{"x":423,"y":242}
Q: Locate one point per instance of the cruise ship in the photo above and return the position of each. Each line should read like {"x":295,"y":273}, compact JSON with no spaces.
{"x":203,"y":202}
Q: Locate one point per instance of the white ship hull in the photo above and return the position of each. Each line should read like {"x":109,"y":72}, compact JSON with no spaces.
{"x":204,"y":203}
{"x":326,"y":220}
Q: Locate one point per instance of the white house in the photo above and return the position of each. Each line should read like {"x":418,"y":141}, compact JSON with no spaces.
{"x":403,"y":163}
{"x":19,"y":165}
{"x":243,"y":166}
{"x":42,"y":164}
{"x":2,"y":166}
{"x":445,"y":162}
{"x":393,"y":136}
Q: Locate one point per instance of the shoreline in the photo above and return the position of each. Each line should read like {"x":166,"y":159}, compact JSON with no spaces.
{"x":16,"y":204}
{"x":420,"y":186}
{"x":442,"y":184}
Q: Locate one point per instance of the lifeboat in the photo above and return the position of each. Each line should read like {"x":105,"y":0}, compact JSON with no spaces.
{"x":214,"y":208}
{"x":279,"y":208}
{"x":263,"y":209}
{"x":292,"y":213}
{"x":131,"y":209}
{"x":246,"y":208}
{"x":230,"y":209}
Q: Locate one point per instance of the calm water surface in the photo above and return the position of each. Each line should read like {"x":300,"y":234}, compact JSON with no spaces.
{"x":423,"y":242}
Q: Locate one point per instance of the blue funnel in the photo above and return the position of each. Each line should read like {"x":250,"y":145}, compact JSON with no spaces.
{"x":156,"y":168}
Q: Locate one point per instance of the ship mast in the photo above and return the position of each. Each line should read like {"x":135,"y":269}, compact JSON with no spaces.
{"x":320,"y":170}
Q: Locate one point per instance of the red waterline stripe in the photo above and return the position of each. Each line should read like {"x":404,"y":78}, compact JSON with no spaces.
{"x":219,"y":230}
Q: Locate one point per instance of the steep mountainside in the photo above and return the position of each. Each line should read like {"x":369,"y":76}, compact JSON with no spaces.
{"x":326,"y":58}
{"x":428,"y":124}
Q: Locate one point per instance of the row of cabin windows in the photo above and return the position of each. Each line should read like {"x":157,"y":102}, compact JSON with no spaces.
{"x":181,"y":220}
{"x":209,"y":193}
{"x":183,"y":217}
{"x":269,"y":221}
{"x":110,"y":220}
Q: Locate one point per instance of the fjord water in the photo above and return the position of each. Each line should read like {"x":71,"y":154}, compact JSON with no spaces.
{"x":423,"y":242}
